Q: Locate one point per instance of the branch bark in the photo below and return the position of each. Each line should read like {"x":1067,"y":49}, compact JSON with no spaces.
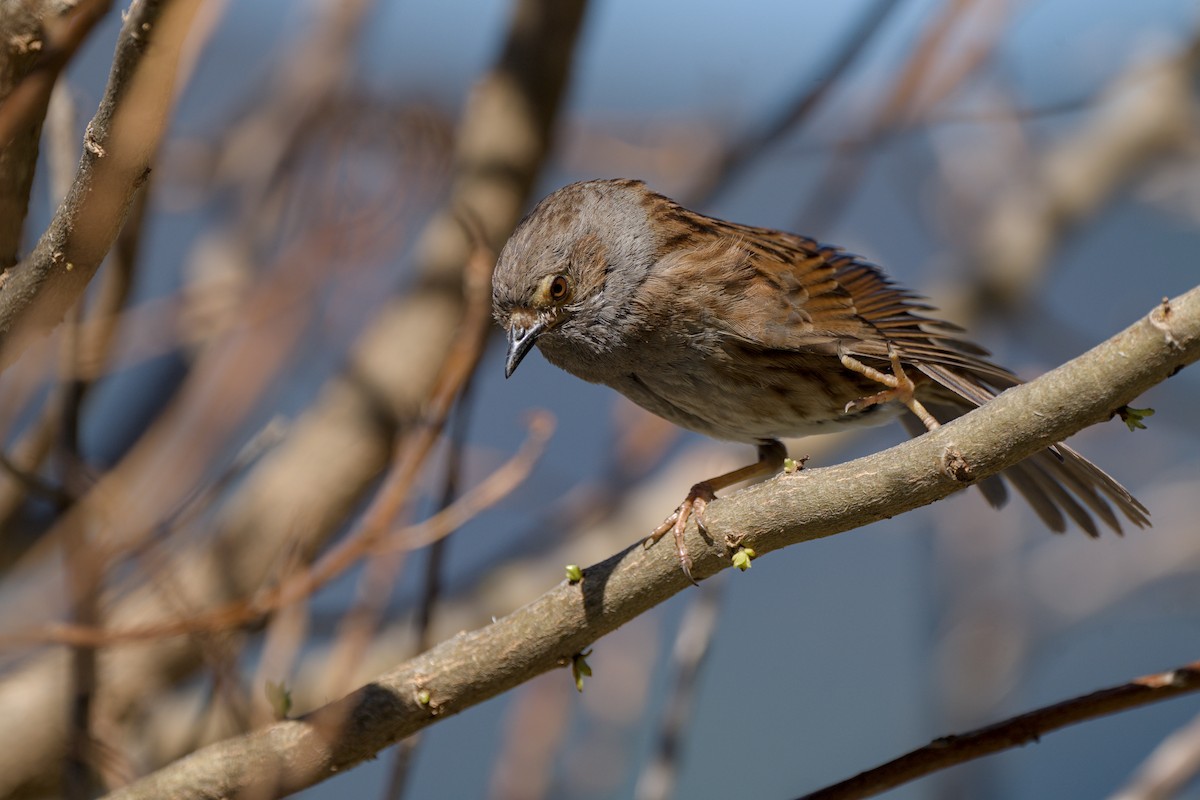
{"x":37,"y":41}
{"x":119,"y":146}
{"x":475,"y":666}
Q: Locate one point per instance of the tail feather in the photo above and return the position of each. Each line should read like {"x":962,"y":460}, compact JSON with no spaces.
{"x":1057,"y":483}
{"x":1041,"y":468}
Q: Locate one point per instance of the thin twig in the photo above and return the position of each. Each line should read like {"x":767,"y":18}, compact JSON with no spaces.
{"x":812,"y":91}
{"x":431,"y":589}
{"x":836,"y":187}
{"x":494,"y":488}
{"x":1020,"y":730}
{"x":34,"y":483}
{"x":693,"y":643}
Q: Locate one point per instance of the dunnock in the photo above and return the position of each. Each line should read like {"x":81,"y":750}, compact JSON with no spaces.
{"x":751,"y":334}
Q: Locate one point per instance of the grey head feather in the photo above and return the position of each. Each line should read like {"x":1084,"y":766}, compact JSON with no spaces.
{"x":598,"y":234}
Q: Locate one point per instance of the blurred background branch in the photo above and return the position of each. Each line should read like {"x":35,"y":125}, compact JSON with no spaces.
{"x":252,"y":340}
{"x":119,"y":147}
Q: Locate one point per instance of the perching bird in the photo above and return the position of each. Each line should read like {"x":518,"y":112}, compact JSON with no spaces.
{"x":751,"y":335}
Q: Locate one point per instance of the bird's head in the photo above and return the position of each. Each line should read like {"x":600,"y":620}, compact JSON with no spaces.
{"x":570,"y":267}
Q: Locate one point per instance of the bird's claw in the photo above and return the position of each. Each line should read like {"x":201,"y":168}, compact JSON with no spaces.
{"x":900,"y":387}
{"x":693,"y":505}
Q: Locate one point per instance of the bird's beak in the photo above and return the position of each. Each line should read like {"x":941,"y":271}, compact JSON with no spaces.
{"x":520,"y":341}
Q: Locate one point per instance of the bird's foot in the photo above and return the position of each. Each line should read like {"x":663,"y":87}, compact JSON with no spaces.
{"x":693,"y":505}
{"x":900,"y":388}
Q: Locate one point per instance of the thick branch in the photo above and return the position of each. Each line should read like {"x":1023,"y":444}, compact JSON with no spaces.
{"x":478,"y":665}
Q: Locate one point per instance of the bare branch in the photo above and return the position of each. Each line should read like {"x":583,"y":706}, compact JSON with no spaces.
{"x":119,"y":146}
{"x":693,"y":643}
{"x":950,"y":750}
{"x":810,"y":95}
{"x":546,"y":633}
{"x":844,"y":174}
{"x":34,"y":48}
{"x":1144,"y":116}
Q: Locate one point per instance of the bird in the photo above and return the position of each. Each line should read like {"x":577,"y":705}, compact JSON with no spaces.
{"x":750,"y":334}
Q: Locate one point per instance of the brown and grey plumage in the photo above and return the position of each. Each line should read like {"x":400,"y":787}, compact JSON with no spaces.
{"x":751,"y":334}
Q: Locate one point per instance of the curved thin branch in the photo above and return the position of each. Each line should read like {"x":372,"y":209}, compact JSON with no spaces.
{"x":480,"y":664}
{"x":812,"y":92}
{"x":1020,"y":730}
{"x":372,"y":537}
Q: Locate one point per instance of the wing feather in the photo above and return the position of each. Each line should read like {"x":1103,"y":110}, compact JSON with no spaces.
{"x":835,"y":302}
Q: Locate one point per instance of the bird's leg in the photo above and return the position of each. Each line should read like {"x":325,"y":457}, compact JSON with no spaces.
{"x":770,"y":460}
{"x":900,"y":387}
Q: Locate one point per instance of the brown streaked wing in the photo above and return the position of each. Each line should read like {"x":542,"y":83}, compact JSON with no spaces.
{"x":792,"y":293}
{"x":837,"y":299}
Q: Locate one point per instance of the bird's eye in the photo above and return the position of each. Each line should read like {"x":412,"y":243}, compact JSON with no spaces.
{"x":558,"y":288}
